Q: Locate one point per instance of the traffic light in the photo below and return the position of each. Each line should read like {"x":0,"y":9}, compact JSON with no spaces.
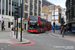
{"x":53,"y":23}
{"x":16,"y":12}
{"x":62,"y":21}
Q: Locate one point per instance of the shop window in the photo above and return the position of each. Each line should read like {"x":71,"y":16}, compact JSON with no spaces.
{"x":8,"y":24}
{"x":3,"y":12}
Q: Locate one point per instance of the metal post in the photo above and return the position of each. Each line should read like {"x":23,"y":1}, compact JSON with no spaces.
{"x":21,"y":25}
{"x":14,"y":27}
{"x":17,"y":29}
{"x":54,"y":19}
{"x":63,"y":33}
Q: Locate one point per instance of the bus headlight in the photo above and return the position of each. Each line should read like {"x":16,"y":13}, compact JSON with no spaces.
{"x":37,"y":24}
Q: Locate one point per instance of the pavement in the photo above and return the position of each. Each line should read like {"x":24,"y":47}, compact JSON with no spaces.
{"x":41,"y":41}
{"x":6,"y":38}
{"x":70,"y":36}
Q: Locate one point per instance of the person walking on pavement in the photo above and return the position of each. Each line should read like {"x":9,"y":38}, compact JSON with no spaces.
{"x":4,"y":27}
{"x":12,"y":30}
{"x":65,"y":30}
{"x":68,"y":29}
{"x":61,"y":30}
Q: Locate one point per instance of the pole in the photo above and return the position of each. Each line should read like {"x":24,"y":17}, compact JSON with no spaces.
{"x":54,"y":19}
{"x":21,"y":25}
{"x":63,"y":33}
{"x":17,"y":29}
{"x":14,"y":27}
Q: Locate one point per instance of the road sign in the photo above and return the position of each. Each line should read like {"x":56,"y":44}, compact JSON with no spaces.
{"x":2,"y":16}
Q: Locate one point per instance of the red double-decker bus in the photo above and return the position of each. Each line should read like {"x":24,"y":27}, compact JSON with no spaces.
{"x":37,"y":24}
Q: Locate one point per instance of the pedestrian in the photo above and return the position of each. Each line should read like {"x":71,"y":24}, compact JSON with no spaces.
{"x":68,"y":29}
{"x":4,"y":27}
{"x":12,"y":30}
{"x":61,"y":29}
{"x":65,"y":30}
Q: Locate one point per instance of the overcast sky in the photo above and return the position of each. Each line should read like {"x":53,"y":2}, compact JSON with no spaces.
{"x":58,"y":2}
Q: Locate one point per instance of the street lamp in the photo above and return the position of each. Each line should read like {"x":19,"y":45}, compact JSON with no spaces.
{"x":53,"y":16}
{"x":54,"y":19}
{"x":21,"y":21}
{"x":21,"y":5}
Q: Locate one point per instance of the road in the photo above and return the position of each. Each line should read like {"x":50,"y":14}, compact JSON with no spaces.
{"x":42,"y":41}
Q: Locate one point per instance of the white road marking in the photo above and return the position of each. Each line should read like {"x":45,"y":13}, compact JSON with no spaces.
{"x":1,"y":48}
{"x":52,"y":36}
{"x":5,"y":46}
{"x":8,"y":45}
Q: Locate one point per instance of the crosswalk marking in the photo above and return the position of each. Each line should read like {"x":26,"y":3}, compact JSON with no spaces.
{"x":7,"y":41}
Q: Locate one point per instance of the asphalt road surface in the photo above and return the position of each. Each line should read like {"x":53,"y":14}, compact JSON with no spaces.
{"x":41,"y":41}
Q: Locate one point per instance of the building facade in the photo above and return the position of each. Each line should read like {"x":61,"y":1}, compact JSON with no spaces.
{"x":53,"y":15}
{"x":7,"y":11}
{"x":47,"y":3}
{"x":70,"y":13}
{"x":45,"y":10}
{"x":31,"y":7}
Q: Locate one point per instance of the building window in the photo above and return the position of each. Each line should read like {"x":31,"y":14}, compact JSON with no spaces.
{"x":26,"y":15}
{"x":19,"y":25}
{"x":12,"y":13}
{"x":3,"y":1}
{"x":31,"y":5}
{"x":35,"y":6}
{"x":35,"y":13}
{"x":39,"y":8}
{"x":3,"y":12}
{"x":17,"y":4}
{"x":9,"y":1}
{"x":56,"y":13}
{"x":8,"y":24}
{"x":26,"y":7}
{"x":74,"y":11}
{"x":45,"y":14}
{"x":9,"y":13}
{"x":12,"y":3}
{"x":31,"y":13}
{"x":56,"y":17}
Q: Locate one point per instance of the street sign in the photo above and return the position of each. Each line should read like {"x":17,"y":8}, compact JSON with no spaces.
{"x":2,"y":16}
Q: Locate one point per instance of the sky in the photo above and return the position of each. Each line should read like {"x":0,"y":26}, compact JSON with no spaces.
{"x":58,"y":2}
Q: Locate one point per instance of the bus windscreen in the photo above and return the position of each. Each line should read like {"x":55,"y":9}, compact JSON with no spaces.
{"x":33,"y":18}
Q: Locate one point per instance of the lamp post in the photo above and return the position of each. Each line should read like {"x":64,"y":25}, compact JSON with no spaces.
{"x":54,"y":19}
{"x":21,"y":6}
{"x":21,"y":21}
